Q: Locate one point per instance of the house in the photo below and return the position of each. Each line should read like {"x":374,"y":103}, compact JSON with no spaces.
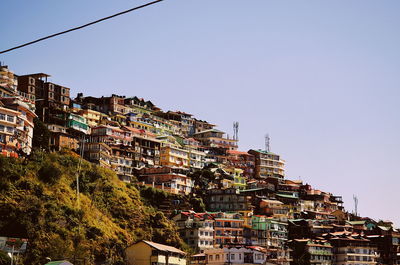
{"x":151,"y":253}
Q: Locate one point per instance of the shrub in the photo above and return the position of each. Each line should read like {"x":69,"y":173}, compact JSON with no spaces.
{"x":49,"y":173}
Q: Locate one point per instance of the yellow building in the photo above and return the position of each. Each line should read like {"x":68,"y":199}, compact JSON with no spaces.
{"x":93,"y":117}
{"x":239,"y":181}
{"x":150,"y":253}
{"x":172,"y":153}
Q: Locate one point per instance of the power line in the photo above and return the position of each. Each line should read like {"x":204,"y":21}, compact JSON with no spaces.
{"x":80,"y":27}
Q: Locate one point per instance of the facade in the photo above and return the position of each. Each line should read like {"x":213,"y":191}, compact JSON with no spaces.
{"x":228,"y":228}
{"x":151,"y":253}
{"x":229,"y":200}
{"x":242,"y":160}
{"x":8,"y":82}
{"x":60,"y":138}
{"x":24,"y":122}
{"x":170,"y":179}
{"x":236,"y":255}
{"x":9,"y":145}
{"x":268,"y":165}
{"x":309,"y":251}
{"x":196,"y":229}
{"x":268,"y":232}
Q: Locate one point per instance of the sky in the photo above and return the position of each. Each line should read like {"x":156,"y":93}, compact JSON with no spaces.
{"x":322,"y":78}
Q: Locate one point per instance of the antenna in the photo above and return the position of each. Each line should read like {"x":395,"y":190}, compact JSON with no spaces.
{"x":267,"y":144}
{"x":355,"y":204}
{"x":236,"y":130}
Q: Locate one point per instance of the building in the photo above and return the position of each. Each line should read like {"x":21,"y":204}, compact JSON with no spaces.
{"x":151,"y":253}
{"x":8,"y":82}
{"x":24,"y":122}
{"x":228,"y":228}
{"x":214,"y":138}
{"x":268,"y":164}
{"x":9,"y":145}
{"x":196,"y":229}
{"x":236,"y":255}
{"x":170,"y":179}
{"x":229,"y":199}
{"x":268,"y":232}
{"x":172,"y":153}
{"x":351,"y":248}
{"x":311,"y":251}
{"x":242,"y":160}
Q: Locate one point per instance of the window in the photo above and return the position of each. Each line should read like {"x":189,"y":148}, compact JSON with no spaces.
{"x":210,"y":257}
{"x":2,"y":116}
{"x":1,"y":128}
{"x":10,"y":129}
{"x":232,"y":256}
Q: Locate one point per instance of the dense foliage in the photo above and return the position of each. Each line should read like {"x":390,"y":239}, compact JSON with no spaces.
{"x":38,"y":202}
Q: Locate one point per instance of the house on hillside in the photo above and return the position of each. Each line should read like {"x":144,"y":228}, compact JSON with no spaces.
{"x":150,"y":253}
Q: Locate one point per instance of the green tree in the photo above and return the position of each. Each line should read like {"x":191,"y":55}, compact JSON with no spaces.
{"x":41,"y":135}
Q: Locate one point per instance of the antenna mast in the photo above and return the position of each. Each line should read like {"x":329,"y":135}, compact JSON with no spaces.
{"x":267,"y":144}
{"x":355,"y":205}
{"x":236,"y":130}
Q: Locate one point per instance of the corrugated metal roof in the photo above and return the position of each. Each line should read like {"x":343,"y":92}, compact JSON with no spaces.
{"x":164,"y":247}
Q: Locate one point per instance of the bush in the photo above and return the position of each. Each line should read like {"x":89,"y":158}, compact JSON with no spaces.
{"x":49,"y":173}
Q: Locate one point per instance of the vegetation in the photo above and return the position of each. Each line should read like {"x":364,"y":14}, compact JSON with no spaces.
{"x":38,"y":201}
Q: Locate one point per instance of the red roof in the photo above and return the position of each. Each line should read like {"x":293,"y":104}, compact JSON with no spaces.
{"x":235,"y":152}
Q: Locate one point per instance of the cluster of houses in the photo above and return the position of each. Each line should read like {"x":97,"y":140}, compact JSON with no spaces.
{"x":254,"y":214}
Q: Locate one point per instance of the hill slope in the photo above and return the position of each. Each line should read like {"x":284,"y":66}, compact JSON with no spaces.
{"x":38,"y":201}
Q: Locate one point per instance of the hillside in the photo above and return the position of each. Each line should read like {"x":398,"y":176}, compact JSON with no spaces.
{"x":38,"y":201}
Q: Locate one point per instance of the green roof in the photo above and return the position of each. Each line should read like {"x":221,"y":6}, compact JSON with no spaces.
{"x":59,"y":262}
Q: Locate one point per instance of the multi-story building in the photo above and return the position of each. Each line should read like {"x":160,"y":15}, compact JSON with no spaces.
{"x":196,"y":229}
{"x":9,"y":145}
{"x":172,"y":153}
{"x":351,"y":248}
{"x":268,"y":165}
{"x":228,"y":228}
{"x":77,"y":123}
{"x":311,"y":251}
{"x":387,"y":240}
{"x":99,"y":153}
{"x":214,"y":138}
{"x":236,"y":255}
{"x":60,"y":138}
{"x":146,"y":146}
{"x":8,"y":82}
{"x":242,"y":160}
{"x":24,"y":122}
{"x":170,"y":179}
{"x":268,"y":232}
{"x":239,"y":181}
{"x":92,"y":117}
{"x":229,"y":199}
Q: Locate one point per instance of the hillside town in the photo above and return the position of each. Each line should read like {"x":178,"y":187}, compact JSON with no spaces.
{"x":253,"y":213}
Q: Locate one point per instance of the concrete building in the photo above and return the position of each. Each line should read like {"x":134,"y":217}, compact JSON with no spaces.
{"x":196,"y":229}
{"x":268,"y":165}
{"x":8,"y":82}
{"x":236,"y":255}
{"x":311,"y":251}
{"x":228,"y":228}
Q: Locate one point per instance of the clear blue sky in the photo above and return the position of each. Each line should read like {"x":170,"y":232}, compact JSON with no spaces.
{"x":321,"y":77}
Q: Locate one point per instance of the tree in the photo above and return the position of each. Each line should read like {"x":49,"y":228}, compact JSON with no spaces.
{"x":41,"y":135}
